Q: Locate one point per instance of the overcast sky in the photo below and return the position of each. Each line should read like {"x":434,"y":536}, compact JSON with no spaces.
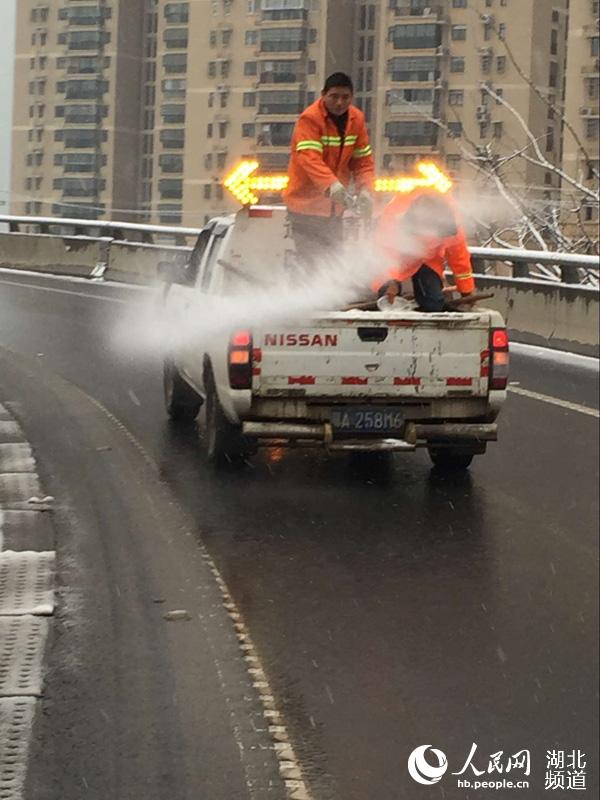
{"x":7,"y":55}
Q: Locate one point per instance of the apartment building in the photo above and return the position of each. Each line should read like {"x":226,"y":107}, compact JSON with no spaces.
{"x":581,"y":158}
{"x":147,"y":104}
{"x":76,"y":109}
{"x":426,"y":72}
{"x":252,"y":69}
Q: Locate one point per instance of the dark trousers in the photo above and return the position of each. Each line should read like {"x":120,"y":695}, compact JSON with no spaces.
{"x":427,"y":286}
{"x":316,"y":239}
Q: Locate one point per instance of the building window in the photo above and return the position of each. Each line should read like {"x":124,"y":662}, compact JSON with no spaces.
{"x":401,"y":134}
{"x":226,"y":35}
{"x":594,"y":46}
{"x":223,"y":99}
{"x":414,"y":37}
{"x":212,"y":38}
{"x":459,"y":3}
{"x":456,"y":97}
{"x":222,"y":130}
{"x":283,"y":39}
{"x":453,"y":163}
{"x":592,"y":89}
{"x":176,"y":12}
{"x":169,"y":162}
{"x":457,"y":64}
{"x":502,"y":30}
{"x":498,"y":130}
{"x":455,"y":130}
{"x":248,"y":130}
{"x":209,"y":130}
{"x":501,"y":64}
{"x":251,"y":37}
{"x":415,"y":68}
{"x":553,"y":75}
{"x":174,"y":87}
{"x":249,"y":99}
{"x":170,"y":188}
{"x":591,"y":128}
{"x":175,"y":38}
{"x":212,"y":69}
{"x":280,"y":102}
{"x":275,"y":134}
{"x":459,"y":33}
{"x":175,"y":62}
{"x":250,"y":68}
{"x":484,"y":130}
{"x":87,"y":40}
{"x":549,"y":139}
{"x":173,"y":138}
{"x":169,"y":214}
{"x":207,"y":191}
{"x":486,"y":63}
{"x":173,"y":113}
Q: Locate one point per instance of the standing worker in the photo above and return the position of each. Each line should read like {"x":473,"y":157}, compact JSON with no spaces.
{"x":418,"y":234}
{"x":330,"y":147}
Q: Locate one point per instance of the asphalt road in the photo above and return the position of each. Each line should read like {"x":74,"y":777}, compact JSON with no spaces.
{"x":390,"y":607}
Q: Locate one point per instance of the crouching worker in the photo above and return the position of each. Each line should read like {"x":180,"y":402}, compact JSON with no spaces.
{"x":417,"y":235}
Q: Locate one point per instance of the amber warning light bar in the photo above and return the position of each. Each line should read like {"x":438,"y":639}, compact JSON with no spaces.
{"x":244,"y":184}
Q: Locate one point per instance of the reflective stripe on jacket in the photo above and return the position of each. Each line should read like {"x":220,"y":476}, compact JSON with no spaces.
{"x":435,"y":253}
{"x":320,"y":157}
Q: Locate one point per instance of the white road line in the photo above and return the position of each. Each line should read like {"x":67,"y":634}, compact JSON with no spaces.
{"x":555,"y":401}
{"x":66,"y":291}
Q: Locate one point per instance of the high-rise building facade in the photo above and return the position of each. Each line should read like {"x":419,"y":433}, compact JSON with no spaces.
{"x":76,"y":119}
{"x":139,"y":108}
{"x":432,"y":77}
{"x":582,"y":138}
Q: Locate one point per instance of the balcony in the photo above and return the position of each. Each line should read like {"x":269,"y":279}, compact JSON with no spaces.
{"x":284,"y":15}
{"x":283,"y":40}
{"x":418,"y":10}
{"x":281,"y":102}
{"x":408,"y":102}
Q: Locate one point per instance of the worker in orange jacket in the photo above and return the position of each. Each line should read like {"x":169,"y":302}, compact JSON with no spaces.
{"x":418,"y":234}
{"x":330,"y":148}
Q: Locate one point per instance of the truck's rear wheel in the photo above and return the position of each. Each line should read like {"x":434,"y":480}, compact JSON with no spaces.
{"x":224,"y":441}
{"x":181,"y":401}
{"x":450,"y":459}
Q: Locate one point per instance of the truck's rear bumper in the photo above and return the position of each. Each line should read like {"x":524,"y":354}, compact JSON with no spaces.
{"x":415,"y":435}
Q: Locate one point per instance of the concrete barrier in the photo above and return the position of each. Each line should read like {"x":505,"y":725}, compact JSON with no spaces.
{"x":130,"y":262}
{"x":561,"y":316}
{"x":61,"y":255}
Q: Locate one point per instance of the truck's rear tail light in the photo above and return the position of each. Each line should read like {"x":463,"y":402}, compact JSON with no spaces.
{"x":240,"y":360}
{"x":500,"y":358}
{"x":499,"y":339}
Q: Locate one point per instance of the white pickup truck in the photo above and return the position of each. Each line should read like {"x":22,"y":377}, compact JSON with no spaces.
{"x":343,"y":380}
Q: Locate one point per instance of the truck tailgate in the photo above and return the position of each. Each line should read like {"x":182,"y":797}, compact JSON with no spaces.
{"x":366,"y":354}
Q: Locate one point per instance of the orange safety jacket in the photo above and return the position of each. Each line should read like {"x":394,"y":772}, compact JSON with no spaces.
{"x":435,"y":253}
{"x":320,"y":157}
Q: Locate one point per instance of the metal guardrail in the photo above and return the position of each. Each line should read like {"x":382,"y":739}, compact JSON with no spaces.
{"x":570,"y":265}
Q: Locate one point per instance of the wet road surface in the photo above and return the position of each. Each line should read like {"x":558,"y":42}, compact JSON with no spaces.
{"x":391,"y":607}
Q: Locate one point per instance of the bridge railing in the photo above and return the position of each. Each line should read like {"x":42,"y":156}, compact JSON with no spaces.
{"x":547,"y":298}
{"x":571,"y":268}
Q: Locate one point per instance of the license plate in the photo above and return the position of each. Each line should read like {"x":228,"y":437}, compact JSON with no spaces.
{"x":367,"y":420}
